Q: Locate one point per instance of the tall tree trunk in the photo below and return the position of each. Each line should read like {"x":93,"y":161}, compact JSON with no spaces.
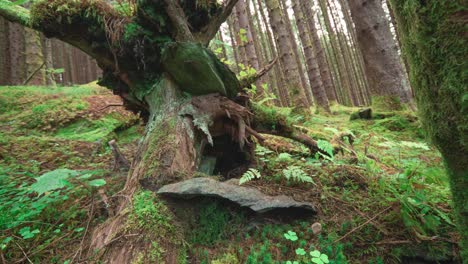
{"x":293,"y":80}
{"x":5,"y":65}
{"x":240,"y":38}
{"x":356,"y":52}
{"x":435,"y":50}
{"x":18,"y":72}
{"x":279,"y":74}
{"x":298,"y":56}
{"x":247,"y":40}
{"x":345,"y":67}
{"x":50,"y":78}
{"x":383,"y":68}
{"x":313,"y":70}
{"x":233,"y":44}
{"x":35,"y":65}
{"x":320,"y":54}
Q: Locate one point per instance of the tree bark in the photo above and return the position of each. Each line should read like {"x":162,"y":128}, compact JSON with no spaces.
{"x":320,"y":54}
{"x":435,"y":50}
{"x":18,"y":71}
{"x":313,"y":70}
{"x":5,"y":64}
{"x":298,"y":56}
{"x":293,"y":80}
{"x":383,"y":68}
{"x":50,"y":78}
{"x":279,"y":74}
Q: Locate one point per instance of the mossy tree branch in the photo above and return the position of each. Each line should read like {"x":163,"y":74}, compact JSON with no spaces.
{"x":14,"y":13}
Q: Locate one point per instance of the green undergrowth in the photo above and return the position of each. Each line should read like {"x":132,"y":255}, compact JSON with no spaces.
{"x":50,"y":136}
{"x":383,"y":199}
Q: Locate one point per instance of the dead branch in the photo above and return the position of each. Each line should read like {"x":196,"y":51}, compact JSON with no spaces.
{"x":245,"y":82}
{"x":32,"y":74}
{"x":363,"y":224}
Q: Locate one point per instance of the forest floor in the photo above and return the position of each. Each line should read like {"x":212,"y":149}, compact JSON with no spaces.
{"x":384,"y":199}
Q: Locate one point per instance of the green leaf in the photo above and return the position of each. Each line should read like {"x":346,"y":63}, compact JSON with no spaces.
{"x":315,"y":253}
{"x":300,"y":251}
{"x":317,"y":261}
{"x":52,"y":180}
{"x":79,"y":229}
{"x":291,"y":236}
{"x":97,"y":183}
{"x":26,"y":232}
{"x":325,"y":146}
{"x":324,"y":258}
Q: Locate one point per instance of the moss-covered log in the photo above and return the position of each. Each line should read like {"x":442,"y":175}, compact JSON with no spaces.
{"x":434,"y":42}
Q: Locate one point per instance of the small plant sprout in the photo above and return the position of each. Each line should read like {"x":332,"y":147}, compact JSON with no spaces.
{"x":291,"y":235}
{"x":318,"y":257}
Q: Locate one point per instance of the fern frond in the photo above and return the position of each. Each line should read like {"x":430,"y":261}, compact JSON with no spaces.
{"x":249,"y":175}
{"x":295,"y":173}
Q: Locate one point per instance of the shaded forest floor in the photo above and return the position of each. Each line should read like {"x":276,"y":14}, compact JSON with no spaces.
{"x":384,"y":199}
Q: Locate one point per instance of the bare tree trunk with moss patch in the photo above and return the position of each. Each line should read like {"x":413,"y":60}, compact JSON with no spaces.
{"x":285,"y":50}
{"x":383,"y":68}
{"x":435,"y":51}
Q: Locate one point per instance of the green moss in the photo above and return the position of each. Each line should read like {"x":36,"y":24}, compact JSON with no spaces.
{"x":434,"y":44}
{"x":153,"y":219}
{"x":386,"y":103}
{"x":198,"y":71}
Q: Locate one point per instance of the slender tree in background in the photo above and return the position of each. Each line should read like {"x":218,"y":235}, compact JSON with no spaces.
{"x":232,"y":35}
{"x":313,"y":70}
{"x":49,"y":62}
{"x":285,"y":50}
{"x":383,"y":68}
{"x":337,"y":53}
{"x":245,"y":35}
{"x":240,"y":37}
{"x":279,"y":74}
{"x":298,"y":56}
{"x":434,"y":44}
{"x":325,"y":74}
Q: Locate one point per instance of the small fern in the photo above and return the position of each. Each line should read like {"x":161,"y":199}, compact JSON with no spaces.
{"x":295,"y":173}
{"x":325,"y":146}
{"x":249,"y":175}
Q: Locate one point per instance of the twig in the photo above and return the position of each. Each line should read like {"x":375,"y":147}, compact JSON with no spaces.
{"x":34,"y":73}
{"x":363,"y":224}
{"x":25,"y":255}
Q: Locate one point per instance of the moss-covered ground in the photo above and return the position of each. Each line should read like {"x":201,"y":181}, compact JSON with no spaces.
{"x":384,"y":199}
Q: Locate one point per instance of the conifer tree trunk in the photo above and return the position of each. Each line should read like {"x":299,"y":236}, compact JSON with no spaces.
{"x":4,"y":53}
{"x":382,"y":64}
{"x":435,"y":50}
{"x":306,"y":6}
{"x":246,"y":35}
{"x":17,"y":69}
{"x":298,"y":56}
{"x":279,"y":74}
{"x":345,"y":66}
{"x":313,"y":70}
{"x":50,"y":79}
{"x":292,"y":77}
{"x":240,"y":38}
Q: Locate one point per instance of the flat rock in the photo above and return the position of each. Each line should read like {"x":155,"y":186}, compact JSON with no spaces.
{"x":244,"y":196}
